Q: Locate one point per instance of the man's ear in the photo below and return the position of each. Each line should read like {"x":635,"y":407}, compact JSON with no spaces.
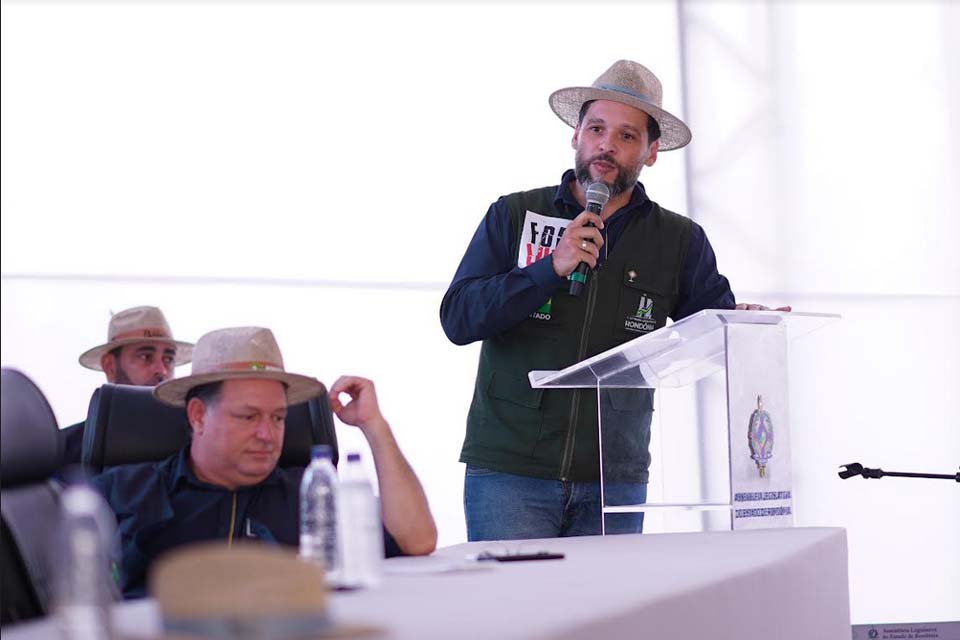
{"x":196,"y":412}
{"x":652,"y":157}
{"x":108,"y":362}
{"x":576,"y":134}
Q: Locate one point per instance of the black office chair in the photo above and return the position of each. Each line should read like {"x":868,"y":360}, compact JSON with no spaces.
{"x":29,"y":454}
{"x":127,"y":425}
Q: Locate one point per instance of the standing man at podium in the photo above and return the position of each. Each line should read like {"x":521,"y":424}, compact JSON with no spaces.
{"x":532,"y":454}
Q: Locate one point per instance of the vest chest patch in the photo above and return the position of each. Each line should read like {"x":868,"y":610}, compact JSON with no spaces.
{"x":544,"y":312}
{"x":642,"y":320}
{"x":539,"y":237}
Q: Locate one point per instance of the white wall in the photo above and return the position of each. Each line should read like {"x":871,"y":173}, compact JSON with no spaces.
{"x":319,"y":168}
{"x":823,"y":167}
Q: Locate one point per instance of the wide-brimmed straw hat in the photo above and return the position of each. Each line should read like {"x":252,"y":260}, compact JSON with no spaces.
{"x":249,"y":590}
{"x":632,"y":84}
{"x":237,"y":353}
{"x":138,"y":324}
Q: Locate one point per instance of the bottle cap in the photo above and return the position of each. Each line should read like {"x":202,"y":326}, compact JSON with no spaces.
{"x":321,"y":451}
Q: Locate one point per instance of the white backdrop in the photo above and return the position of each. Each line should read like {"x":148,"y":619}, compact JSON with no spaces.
{"x":823,"y":168}
{"x":319,"y":168}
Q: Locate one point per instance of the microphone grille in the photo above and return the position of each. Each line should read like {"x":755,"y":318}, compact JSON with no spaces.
{"x":598,"y":193}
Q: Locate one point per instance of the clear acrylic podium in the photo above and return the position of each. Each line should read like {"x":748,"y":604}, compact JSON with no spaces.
{"x":750,"y":347}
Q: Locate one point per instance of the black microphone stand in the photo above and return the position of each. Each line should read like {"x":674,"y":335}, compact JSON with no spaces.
{"x":857,"y":469}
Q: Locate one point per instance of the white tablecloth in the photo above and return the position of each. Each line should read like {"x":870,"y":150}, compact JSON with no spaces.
{"x":776,"y":583}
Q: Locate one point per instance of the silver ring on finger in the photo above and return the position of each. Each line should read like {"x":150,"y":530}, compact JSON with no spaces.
{"x":583,"y":245}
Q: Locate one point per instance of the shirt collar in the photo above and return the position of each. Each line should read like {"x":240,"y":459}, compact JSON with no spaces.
{"x":564,"y":195}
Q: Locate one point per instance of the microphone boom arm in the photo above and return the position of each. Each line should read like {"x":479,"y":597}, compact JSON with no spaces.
{"x":857,"y":469}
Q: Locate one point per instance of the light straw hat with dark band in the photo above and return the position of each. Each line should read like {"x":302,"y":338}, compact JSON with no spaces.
{"x":138,"y":324}
{"x":237,"y":353}
{"x":629,"y":83}
{"x":211,"y":590}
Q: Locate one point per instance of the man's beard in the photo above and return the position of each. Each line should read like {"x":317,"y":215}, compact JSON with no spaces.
{"x":624,"y":180}
{"x":123,"y":378}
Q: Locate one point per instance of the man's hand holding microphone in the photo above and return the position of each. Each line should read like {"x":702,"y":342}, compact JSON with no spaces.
{"x":581,"y":242}
{"x":579,"y":249}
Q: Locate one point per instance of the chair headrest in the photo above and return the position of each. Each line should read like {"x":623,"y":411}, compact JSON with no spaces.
{"x":127,"y":425}
{"x":29,"y":438}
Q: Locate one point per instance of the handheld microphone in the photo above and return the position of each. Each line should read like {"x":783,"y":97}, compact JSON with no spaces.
{"x":597,"y":196}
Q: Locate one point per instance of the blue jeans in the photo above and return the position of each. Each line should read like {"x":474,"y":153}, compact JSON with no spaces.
{"x":504,"y":506}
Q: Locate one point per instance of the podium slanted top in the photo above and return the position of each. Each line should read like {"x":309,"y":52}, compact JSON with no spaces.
{"x":676,"y":355}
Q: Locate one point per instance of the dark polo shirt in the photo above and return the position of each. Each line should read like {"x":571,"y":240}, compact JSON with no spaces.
{"x":163,"y":505}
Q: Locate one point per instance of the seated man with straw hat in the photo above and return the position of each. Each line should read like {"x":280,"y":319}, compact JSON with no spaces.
{"x":226,"y":485}
{"x":139,"y":350}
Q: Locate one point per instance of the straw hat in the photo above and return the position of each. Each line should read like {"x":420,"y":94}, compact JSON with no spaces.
{"x":237,"y":353}
{"x":632,"y":84}
{"x":249,"y":590}
{"x":136,"y":325}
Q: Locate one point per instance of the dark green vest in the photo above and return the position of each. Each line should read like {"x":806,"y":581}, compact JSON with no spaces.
{"x":552,"y":434}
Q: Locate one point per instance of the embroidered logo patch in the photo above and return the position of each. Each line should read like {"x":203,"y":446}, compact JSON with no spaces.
{"x":543,"y":313}
{"x":645,"y":309}
{"x":642,"y":321}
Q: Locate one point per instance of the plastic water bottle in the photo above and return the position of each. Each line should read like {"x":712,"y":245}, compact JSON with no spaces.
{"x":359,"y":528}
{"x":84,"y":588}
{"x":318,"y":512}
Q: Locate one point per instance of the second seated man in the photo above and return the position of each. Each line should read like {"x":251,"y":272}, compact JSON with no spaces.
{"x":139,"y":350}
